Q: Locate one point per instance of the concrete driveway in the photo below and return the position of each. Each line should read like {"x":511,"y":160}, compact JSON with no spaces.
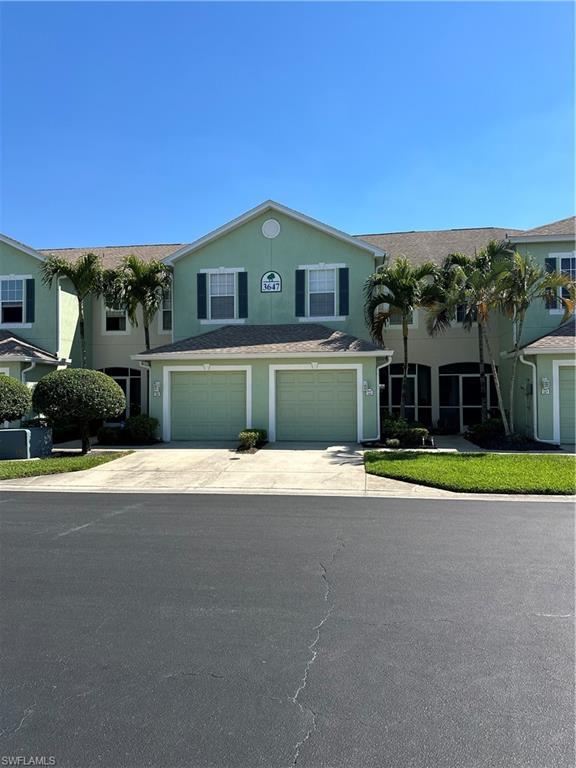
{"x":218,"y":467}
{"x":296,"y":468}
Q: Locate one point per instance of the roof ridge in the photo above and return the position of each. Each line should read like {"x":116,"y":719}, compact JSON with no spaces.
{"x":104,"y":247}
{"x":429,"y":231}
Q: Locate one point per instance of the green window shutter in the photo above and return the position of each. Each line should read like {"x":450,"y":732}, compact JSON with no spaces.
{"x":30,"y":301}
{"x":242,"y":294}
{"x":300,"y":293}
{"x":201,"y":296}
{"x":549,"y":267}
{"x":343,"y":291}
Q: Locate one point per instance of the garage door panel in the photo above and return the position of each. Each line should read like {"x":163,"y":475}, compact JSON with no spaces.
{"x":316,"y":405}
{"x":208,"y":405}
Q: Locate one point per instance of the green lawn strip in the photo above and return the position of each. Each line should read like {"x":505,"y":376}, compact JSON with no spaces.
{"x":10,"y":470}
{"x":478,"y":472}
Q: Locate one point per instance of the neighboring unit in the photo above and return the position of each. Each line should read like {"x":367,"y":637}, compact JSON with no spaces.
{"x":265,"y":327}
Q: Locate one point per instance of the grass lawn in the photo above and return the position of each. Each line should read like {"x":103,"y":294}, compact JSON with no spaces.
{"x":13,"y":469}
{"x":478,"y":472}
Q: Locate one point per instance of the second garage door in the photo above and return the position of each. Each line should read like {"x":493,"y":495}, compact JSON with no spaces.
{"x":316,"y":405}
{"x":208,"y":405}
{"x":567,"y":387}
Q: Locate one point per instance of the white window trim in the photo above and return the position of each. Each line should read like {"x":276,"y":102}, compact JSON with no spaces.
{"x":23,"y":324}
{"x":128,"y":330}
{"x":215,"y":320}
{"x":161,"y":330}
{"x":272,"y":369}
{"x":205,"y":368}
{"x":556,"y":365}
{"x":559,"y":255}
{"x":324,"y":318}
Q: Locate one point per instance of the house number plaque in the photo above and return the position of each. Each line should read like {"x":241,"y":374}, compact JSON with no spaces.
{"x":271,"y":282}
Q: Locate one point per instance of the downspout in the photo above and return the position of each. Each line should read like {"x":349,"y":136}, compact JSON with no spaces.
{"x":26,"y":370}
{"x":534,"y":402}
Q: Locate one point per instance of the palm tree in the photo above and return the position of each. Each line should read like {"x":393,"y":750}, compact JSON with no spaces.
{"x":85,"y":274}
{"x":398,"y":289}
{"x":471,"y":283}
{"x":523,"y":282}
{"x":138,"y":285}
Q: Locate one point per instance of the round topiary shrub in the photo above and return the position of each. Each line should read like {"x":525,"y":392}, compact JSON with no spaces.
{"x":15,"y":399}
{"x":80,"y":395}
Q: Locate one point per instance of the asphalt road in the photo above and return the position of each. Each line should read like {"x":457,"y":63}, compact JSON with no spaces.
{"x":270,"y":631}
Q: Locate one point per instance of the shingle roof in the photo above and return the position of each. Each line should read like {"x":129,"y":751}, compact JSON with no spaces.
{"x":14,"y":346}
{"x":435,"y":245}
{"x":112,"y":255}
{"x":560,"y":227}
{"x":562,"y":338}
{"x":269,"y":340}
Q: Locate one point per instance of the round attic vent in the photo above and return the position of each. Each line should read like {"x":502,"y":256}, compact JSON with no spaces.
{"x":271,"y":228}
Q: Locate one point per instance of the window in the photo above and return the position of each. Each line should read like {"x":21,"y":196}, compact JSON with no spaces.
{"x":322,"y":292}
{"x":222,"y":295}
{"x":461,"y":313}
{"x":166,"y":312}
{"x":12,"y":301}
{"x":396,"y":319}
{"x":566,"y":264}
{"x":116,"y":320}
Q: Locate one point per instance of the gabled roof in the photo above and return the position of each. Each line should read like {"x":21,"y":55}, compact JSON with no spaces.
{"x":270,"y":205}
{"x":435,"y":245}
{"x":563,"y":229}
{"x":560,"y":340}
{"x":112,"y":255}
{"x":267,"y":341}
{"x":13,"y":347}
{"x":21,"y":247}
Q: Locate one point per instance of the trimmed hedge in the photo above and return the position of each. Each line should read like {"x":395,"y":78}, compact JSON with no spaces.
{"x":15,"y":399}
{"x":78,"y":395}
{"x":407,"y":435}
{"x":250,"y":438}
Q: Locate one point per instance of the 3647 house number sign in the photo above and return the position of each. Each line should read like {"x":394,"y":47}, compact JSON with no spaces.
{"x":271,"y":283}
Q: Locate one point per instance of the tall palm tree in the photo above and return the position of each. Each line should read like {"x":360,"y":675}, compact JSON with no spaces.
{"x":523,"y":282}
{"x":398,"y":289}
{"x":85,"y":274}
{"x":138,"y":285}
{"x":471,"y":283}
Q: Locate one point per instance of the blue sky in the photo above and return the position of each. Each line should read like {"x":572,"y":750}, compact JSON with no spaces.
{"x":156,"y":122}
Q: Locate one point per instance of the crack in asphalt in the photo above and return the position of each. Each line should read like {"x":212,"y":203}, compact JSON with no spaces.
{"x":312,"y":647}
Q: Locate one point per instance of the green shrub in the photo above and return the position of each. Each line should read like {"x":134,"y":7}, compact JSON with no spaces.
{"x":78,"y":395}
{"x":250,"y":438}
{"x":413,"y":437}
{"x":138,"y":430}
{"x":408,"y":435}
{"x":486,"y":431}
{"x":392,"y":442}
{"x":15,"y":399}
{"x":142,"y":428}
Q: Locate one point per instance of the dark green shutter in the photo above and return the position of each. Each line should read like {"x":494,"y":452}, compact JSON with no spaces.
{"x":30,"y":301}
{"x":242,"y":294}
{"x":300,"y":293}
{"x":551,"y":297}
{"x":343,"y":291}
{"x":201,"y":295}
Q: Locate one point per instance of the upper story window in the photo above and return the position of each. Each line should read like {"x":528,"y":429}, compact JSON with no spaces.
{"x":566,"y":264}
{"x":322,"y":292}
{"x":115,"y":320}
{"x":222,"y":295}
{"x":222,"y":304}
{"x":396,"y":319}
{"x":166,"y":312}
{"x":12,"y":300}
{"x":16,"y":300}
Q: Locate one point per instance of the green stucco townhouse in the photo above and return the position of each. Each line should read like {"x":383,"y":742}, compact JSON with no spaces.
{"x":265,"y":328}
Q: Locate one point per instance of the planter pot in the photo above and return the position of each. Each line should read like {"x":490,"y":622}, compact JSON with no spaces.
{"x":31,"y":443}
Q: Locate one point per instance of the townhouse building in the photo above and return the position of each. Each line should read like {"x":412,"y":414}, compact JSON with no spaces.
{"x":265,"y":327}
